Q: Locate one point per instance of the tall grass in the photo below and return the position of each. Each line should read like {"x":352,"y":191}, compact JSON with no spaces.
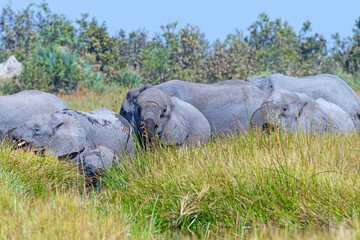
{"x":62,"y":216}
{"x":253,"y":180}
{"x":86,"y":100}
{"x":257,"y":186}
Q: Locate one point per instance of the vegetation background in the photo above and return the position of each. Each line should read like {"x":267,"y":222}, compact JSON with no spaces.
{"x":59,"y":54}
{"x":258,"y":186}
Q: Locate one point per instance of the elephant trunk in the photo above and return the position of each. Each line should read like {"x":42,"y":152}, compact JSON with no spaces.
{"x":263,"y":116}
{"x":16,"y":136}
{"x":148,"y":130}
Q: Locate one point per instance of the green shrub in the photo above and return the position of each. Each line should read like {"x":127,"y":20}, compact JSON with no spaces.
{"x":8,"y":87}
{"x":51,"y":69}
{"x":95,"y":81}
{"x":128,"y":78}
{"x":352,"y":80}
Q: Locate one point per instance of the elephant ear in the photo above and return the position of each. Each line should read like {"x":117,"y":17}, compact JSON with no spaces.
{"x":315,"y":120}
{"x":146,"y":86}
{"x":263,"y":116}
{"x":263,"y":82}
{"x":69,"y":136}
{"x":177,"y":128}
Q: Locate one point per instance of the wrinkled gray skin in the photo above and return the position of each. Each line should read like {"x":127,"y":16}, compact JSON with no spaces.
{"x":18,"y":108}
{"x":70,"y":131}
{"x":101,"y":110}
{"x":340,"y":120}
{"x":227,"y":105}
{"x":326,"y":86}
{"x":95,"y":161}
{"x":170,"y":118}
{"x":291,"y":112}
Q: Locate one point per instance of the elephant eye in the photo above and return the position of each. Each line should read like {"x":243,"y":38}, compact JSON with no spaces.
{"x":36,"y":130}
{"x":285,"y":108}
{"x":164,"y":110}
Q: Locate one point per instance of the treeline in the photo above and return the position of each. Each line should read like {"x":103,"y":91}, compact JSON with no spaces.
{"x":58,"y":53}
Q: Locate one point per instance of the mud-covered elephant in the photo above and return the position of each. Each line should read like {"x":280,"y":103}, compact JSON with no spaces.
{"x":171,"y":119}
{"x":298,"y":112}
{"x":227,"y":106}
{"x":70,"y":131}
{"x":17,"y":109}
{"x":329,"y":87}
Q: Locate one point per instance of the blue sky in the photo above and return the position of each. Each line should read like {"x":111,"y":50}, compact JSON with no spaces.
{"x":215,"y":18}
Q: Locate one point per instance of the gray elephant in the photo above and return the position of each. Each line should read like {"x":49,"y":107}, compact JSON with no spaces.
{"x":329,"y":87}
{"x":70,"y":131}
{"x":96,"y":161}
{"x":18,"y":108}
{"x":171,"y":119}
{"x":227,"y":105}
{"x":291,"y":112}
{"x":340,"y":121}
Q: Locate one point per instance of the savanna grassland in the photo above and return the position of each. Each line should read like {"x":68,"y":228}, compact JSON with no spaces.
{"x":255,"y":186}
{"x":258,"y":186}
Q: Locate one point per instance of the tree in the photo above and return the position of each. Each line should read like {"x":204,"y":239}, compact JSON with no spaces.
{"x":346,"y":51}
{"x":95,"y":43}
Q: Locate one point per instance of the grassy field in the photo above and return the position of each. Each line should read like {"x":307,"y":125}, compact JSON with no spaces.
{"x":256,"y":186}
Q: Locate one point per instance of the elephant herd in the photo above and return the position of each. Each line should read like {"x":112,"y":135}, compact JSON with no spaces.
{"x":177,"y":112}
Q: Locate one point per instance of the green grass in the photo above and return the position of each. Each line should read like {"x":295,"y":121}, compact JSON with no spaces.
{"x":287,"y":180}
{"x":281,"y":185}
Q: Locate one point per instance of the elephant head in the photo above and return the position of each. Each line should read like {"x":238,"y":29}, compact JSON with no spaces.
{"x":96,"y":161}
{"x":127,"y":106}
{"x":156,"y":116}
{"x":290,"y":111}
{"x":59,"y":133}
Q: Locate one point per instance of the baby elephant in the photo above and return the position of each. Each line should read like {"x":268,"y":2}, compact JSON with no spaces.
{"x":96,"y":161}
{"x":169,"y":118}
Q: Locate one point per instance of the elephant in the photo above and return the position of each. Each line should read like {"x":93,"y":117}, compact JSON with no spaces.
{"x":101,"y":110}
{"x":340,"y":121}
{"x":70,"y":131}
{"x":291,"y":112}
{"x":329,"y":87}
{"x":95,"y":162}
{"x":171,"y":119}
{"x":227,"y":106}
{"x":18,"y":108}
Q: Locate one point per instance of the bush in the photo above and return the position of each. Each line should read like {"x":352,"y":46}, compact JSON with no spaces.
{"x":96,"y":81}
{"x":51,"y":69}
{"x":128,"y":78}
{"x":8,"y":87}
